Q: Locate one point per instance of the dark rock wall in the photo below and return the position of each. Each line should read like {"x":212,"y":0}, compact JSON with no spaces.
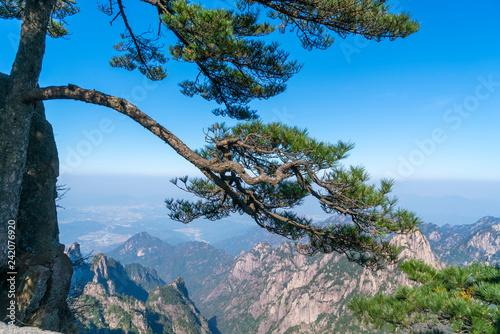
{"x":44,"y":271}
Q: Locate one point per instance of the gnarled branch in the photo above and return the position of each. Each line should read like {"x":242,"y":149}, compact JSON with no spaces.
{"x":73,"y":92}
{"x":276,"y":154}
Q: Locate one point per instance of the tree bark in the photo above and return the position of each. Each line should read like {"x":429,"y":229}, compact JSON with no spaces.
{"x":43,"y":270}
{"x":15,"y":115}
{"x":73,"y":92}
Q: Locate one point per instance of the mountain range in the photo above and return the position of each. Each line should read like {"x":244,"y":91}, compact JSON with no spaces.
{"x":464,"y":244}
{"x":130,"y":299}
{"x":252,"y":286}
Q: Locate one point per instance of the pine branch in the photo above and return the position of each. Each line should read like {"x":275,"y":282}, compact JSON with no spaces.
{"x":278,"y":154}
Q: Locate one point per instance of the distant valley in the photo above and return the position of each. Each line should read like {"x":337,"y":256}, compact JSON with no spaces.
{"x":101,"y":227}
{"x":100,"y":223}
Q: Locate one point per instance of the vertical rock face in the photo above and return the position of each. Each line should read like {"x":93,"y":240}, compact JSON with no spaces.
{"x":416,"y":246}
{"x":171,"y":311}
{"x":463,"y":244}
{"x":280,"y":291}
{"x":114,"y":301}
{"x":41,"y":302}
{"x":81,"y":270}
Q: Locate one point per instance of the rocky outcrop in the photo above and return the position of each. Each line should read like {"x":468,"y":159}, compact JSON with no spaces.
{"x":280,"y":291}
{"x":74,"y":253}
{"x":416,"y":246}
{"x":200,"y":265}
{"x":113,"y":301}
{"x":81,"y":270}
{"x":171,"y":311}
{"x":5,"y":329}
{"x":43,"y":270}
{"x":463,"y":244}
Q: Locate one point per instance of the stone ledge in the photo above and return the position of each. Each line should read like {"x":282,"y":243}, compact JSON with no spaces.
{"x":6,"y":329}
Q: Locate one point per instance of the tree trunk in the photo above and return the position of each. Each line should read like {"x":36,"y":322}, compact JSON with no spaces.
{"x":28,"y":172}
{"x":15,"y":116}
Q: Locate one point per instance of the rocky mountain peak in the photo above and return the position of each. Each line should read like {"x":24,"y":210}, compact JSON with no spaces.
{"x":487,"y":221}
{"x":416,"y":246}
{"x":463,"y":244}
{"x":74,"y":252}
{"x":100,"y":267}
{"x":142,"y":236}
{"x":114,"y":277}
{"x":139,"y":246}
{"x":180,"y":285}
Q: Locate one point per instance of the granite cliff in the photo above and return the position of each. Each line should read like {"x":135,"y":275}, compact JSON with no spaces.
{"x":132,"y":299}
{"x":274,"y":289}
{"x":463,"y":244}
{"x":44,"y":271}
{"x":280,"y":291}
{"x":200,"y":265}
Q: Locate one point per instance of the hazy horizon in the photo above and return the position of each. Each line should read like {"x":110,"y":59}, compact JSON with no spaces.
{"x":430,"y":199}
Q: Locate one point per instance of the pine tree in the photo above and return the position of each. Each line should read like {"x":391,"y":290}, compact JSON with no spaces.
{"x":263,"y":170}
{"x":463,"y":298}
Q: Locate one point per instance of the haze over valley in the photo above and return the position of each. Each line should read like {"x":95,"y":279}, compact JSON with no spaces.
{"x":101,"y":218}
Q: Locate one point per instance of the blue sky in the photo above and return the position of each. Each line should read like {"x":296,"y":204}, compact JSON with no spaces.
{"x":420,"y":109}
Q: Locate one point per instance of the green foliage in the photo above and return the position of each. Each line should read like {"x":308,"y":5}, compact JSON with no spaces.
{"x":141,"y":53}
{"x":235,"y":64}
{"x":281,"y":166}
{"x":312,"y":19}
{"x":236,"y":67}
{"x":14,"y":9}
{"x":465,"y":298}
{"x":58,"y":22}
